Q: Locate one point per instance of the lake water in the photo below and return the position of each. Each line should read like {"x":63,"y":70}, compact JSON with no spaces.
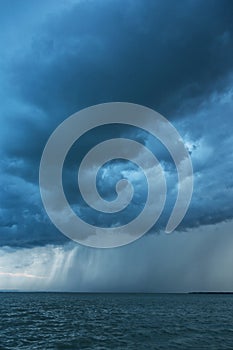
{"x":115,"y":321}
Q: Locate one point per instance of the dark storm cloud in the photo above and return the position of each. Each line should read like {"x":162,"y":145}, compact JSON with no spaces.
{"x":156,"y":55}
{"x":168,"y":57}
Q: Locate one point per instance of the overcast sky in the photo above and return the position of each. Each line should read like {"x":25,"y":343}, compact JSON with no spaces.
{"x":58,"y":57}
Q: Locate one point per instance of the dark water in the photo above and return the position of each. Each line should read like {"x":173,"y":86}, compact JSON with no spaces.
{"x":115,"y":321}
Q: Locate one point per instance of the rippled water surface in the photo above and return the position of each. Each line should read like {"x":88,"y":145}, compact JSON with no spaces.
{"x":115,"y":321}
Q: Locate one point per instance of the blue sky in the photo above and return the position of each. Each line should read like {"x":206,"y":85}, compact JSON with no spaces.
{"x":58,"y":57}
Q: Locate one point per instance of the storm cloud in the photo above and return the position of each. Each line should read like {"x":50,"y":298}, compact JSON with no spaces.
{"x":60,"y":57}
